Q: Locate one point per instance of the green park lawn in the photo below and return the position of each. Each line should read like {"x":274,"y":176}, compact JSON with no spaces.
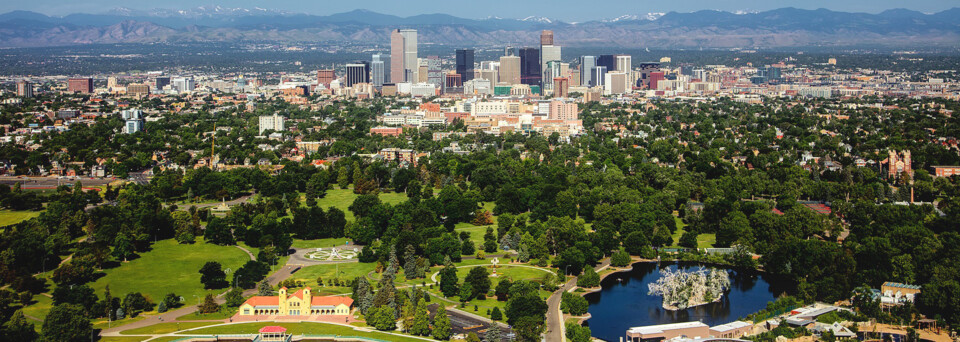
{"x":40,"y":308}
{"x":166,"y":328}
{"x":347,"y":271}
{"x":224,"y":313}
{"x":310,"y":328}
{"x":343,"y":198}
{"x":170,"y":267}
{"x":9,"y":217}
{"x":703,"y":240}
{"x":123,"y":338}
{"x":331,"y":242}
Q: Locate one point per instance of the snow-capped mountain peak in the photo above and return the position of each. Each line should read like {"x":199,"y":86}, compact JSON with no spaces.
{"x":537,"y":19}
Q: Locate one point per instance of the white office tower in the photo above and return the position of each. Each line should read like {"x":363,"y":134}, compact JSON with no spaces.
{"x":133,"y":120}
{"x":549,"y":53}
{"x":478,"y":86}
{"x":614,"y":83}
{"x":625,"y":65}
{"x":184,"y":84}
{"x":378,"y":72}
{"x":587,"y":64}
{"x":271,"y":122}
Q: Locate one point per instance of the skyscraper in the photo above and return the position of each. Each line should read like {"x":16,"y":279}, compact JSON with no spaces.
{"x":465,"y":64}
{"x":598,"y":74}
{"x":546,"y":38}
{"x":434,"y":73}
{"x":161,"y":82}
{"x":548,"y":53}
{"x":378,"y":70}
{"x":530,"y":66}
{"x":645,"y":70}
{"x":587,"y":63}
{"x":324,"y":77}
{"x":509,"y":70}
{"x":607,"y":61}
{"x":80,"y":85}
{"x":358,"y":72}
{"x":403,"y":56}
{"x":625,"y":66}
{"x":24,"y":89}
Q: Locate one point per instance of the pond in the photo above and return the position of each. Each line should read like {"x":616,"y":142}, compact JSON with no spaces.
{"x":624,"y":302}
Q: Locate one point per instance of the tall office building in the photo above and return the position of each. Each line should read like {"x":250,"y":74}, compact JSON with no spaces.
{"x":625,"y":66}
{"x":24,"y":89}
{"x":184,"y":84}
{"x":587,"y":63}
{"x":530,"y":66}
{"x":271,"y":122}
{"x":490,"y":71}
{"x":465,"y":64}
{"x":598,"y":74}
{"x":645,"y":70}
{"x":161,"y":82}
{"x":358,"y":72}
{"x":510,"y":51}
{"x":434,"y":73}
{"x":377,"y":71}
{"x":607,"y":61}
{"x":561,"y":87}
{"x":324,"y":77}
{"x":546,"y":38}
{"x":133,"y":120}
{"x":509,"y":70}
{"x":80,"y":85}
{"x":404,"y":66}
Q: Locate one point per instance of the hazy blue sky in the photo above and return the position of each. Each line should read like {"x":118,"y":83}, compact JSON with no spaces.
{"x":568,"y":10}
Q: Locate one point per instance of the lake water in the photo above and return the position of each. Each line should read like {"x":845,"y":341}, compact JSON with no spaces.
{"x":624,"y":302}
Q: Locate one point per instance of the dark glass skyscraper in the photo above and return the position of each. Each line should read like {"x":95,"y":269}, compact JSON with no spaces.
{"x":465,"y":64}
{"x":609,"y":61}
{"x":530,"y":66}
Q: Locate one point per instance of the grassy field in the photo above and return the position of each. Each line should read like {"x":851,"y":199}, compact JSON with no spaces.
{"x":40,"y":308}
{"x":165,"y":328}
{"x":9,"y":217}
{"x":343,"y":198}
{"x":170,"y":267}
{"x":312,"y":328}
{"x":224,"y":313}
{"x":348,"y":271}
{"x":703,"y":240}
{"x":332,"y":242}
{"x":123,"y":339}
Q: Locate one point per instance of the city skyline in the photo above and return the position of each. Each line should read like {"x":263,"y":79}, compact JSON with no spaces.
{"x":556,"y":10}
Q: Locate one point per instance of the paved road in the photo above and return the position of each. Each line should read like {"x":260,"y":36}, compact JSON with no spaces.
{"x":555,"y":328}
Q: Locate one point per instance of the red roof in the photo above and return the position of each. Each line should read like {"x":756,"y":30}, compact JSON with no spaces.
{"x":331,"y":300}
{"x":263,"y":300}
{"x":273,"y":329}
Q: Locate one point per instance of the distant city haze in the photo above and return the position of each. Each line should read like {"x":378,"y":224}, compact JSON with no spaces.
{"x":565,"y":10}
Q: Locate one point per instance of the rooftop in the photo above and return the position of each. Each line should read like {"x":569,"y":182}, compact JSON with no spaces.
{"x":653,"y":329}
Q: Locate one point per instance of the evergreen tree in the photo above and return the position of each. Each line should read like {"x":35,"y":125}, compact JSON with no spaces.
{"x":67,"y":323}
{"x":441,"y":325}
{"x":17,"y":328}
{"x":493,"y":333}
{"x":449,"y":281}
{"x":410,"y":270}
{"x":421,"y":320}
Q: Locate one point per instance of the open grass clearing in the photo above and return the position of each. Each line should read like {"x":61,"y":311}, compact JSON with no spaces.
{"x":170,"y":267}
{"x":310,"y":328}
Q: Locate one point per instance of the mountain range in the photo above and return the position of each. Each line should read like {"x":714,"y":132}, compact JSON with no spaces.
{"x":780,"y":28}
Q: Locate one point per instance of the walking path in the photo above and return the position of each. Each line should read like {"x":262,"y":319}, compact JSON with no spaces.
{"x":556,"y":330}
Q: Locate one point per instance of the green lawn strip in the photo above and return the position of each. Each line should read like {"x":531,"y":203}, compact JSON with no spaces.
{"x":170,"y":267}
{"x":308,"y":328}
{"x":324,"y":243}
{"x":10,"y":217}
{"x":40,"y":308}
{"x":123,"y":338}
{"x":347,"y":271}
{"x":703,"y":240}
{"x":224,"y":313}
{"x":476,"y":233}
{"x":166,"y":328}
{"x":343,"y":198}
{"x":102,"y":323}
